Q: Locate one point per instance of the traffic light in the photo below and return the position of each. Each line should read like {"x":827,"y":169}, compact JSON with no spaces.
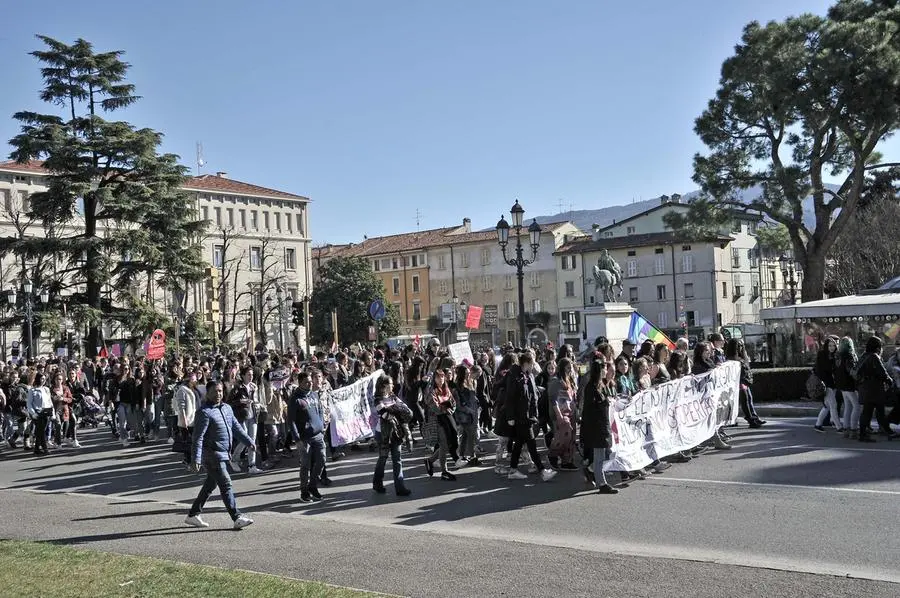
{"x":298,"y":315}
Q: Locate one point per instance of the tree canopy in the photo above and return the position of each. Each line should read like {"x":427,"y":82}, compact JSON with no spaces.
{"x":801,"y":100}
{"x":348,"y":285}
{"x":113,"y":212}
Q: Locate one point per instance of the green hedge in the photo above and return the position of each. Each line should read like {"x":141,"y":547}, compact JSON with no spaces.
{"x":777,"y":385}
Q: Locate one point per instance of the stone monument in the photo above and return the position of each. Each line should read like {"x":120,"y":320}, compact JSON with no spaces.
{"x":607,"y":317}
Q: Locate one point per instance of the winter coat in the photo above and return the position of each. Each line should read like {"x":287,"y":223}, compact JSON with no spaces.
{"x":825,"y":366}
{"x":215,"y":431}
{"x":184,"y":404}
{"x":701,"y":367}
{"x":393,"y":413}
{"x":521,"y":403}
{"x":243,"y":401}
{"x":595,"y":425}
{"x":872,"y":380}
{"x":466,"y":406}
{"x":499,"y":396}
{"x":843,"y":372}
{"x":304,"y":418}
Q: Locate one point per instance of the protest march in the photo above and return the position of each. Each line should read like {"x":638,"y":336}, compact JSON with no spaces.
{"x":615,"y":419}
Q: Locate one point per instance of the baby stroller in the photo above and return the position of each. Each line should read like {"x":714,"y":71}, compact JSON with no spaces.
{"x":88,"y":410}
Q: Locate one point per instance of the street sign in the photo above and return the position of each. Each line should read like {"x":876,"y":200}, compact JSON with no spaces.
{"x":462,"y":336}
{"x":491,"y":313}
{"x":373,"y":334}
{"x":377,"y":310}
{"x":447,"y":315}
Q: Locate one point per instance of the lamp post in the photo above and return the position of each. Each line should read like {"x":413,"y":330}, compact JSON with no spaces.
{"x":279,"y":298}
{"x":44,"y":296}
{"x":517,"y":214}
{"x":787,"y":273}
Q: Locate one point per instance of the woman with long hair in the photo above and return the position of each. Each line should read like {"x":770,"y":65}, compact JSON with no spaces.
{"x":678,"y":366}
{"x":873,"y":383}
{"x":521,"y":414}
{"x":562,"y":391}
{"x":466,"y":414}
{"x":624,"y":382}
{"x":826,"y":363}
{"x":659,"y":370}
{"x":735,"y":351}
{"x":413,"y":389}
{"x":442,"y":429}
{"x":704,"y":361}
{"x":390,"y":430}
{"x":596,"y":435}
{"x":844,"y":381}
{"x":502,"y":430}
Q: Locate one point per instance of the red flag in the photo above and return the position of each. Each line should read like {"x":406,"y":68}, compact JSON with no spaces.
{"x":103,"y":352}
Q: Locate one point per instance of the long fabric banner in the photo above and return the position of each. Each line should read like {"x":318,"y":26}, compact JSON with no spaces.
{"x":352,"y":411}
{"x":672,"y":417}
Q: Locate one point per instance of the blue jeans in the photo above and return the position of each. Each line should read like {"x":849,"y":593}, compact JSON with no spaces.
{"x":600,"y":455}
{"x":216,"y":475}
{"x":396,"y":463}
{"x":312,"y":460}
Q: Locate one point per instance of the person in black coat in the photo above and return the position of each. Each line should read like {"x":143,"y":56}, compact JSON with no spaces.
{"x":826,"y":363}
{"x":521,"y":414}
{"x":873,"y":382}
{"x":596,"y":433}
{"x":735,"y":351}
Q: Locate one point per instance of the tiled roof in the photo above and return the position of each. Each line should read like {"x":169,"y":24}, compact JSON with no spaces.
{"x":212,"y":182}
{"x":35,"y":166}
{"x":328,"y":251}
{"x":587,"y":244}
{"x":394,"y":244}
{"x":204,"y":182}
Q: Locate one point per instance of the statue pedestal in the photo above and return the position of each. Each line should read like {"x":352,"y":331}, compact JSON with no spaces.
{"x":610,"y":320}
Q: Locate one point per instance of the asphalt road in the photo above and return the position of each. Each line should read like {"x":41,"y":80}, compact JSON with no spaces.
{"x":787,"y":512}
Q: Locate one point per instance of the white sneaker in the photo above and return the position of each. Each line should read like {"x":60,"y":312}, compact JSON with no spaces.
{"x":195,"y":521}
{"x":548,"y":474}
{"x":242,"y":521}
{"x":125,"y":444}
{"x":171,"y":440}
{"x":254,"y":470}
{"x":515,"y":474}
{"x":533,"y":468}
{"x":501,"y":470}
{"x":75,"y":444}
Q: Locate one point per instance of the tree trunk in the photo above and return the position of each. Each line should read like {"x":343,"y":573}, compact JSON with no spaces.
{"x":813,"y":287}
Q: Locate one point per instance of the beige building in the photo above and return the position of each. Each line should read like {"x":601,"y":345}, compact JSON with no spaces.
{"x":679,"y":284}
{"x":257,"y":243}
{"x":469,"y":269}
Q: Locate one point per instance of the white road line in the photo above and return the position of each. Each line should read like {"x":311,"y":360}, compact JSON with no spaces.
{"x":778,"y":486}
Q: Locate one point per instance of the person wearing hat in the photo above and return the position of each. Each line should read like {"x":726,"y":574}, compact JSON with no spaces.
{"x":628,"y":350}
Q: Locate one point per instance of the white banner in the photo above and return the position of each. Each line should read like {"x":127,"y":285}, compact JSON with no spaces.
{"x":461,"y":352}
{"x":351,"y":411}
{"x":672,"y":417}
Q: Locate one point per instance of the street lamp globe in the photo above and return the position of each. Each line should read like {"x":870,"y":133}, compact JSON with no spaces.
{"x":12,"y":297}
{"x":503,"y":232}
{"x":45,"y":296}
{"x":535,"y":232}
{"x":518,"y":214}
{"x":26,"y":286}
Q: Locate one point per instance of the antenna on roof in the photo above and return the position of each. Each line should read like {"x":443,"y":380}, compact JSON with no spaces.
{"x":200,"y":161}
{"x":418,"y":219}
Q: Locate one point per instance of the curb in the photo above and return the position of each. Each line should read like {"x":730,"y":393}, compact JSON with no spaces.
{"x":787,"y":411}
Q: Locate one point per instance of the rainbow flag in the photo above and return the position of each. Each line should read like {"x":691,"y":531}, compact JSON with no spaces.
{"x":641,"y":329}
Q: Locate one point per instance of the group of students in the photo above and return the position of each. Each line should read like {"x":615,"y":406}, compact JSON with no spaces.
{"x":247,"y":411}
{"x":855,"y":388}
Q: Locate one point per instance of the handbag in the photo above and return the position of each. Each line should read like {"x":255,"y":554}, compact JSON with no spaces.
{"x":815,"y":388}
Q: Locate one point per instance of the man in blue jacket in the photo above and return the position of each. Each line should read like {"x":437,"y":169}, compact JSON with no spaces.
{"x":305,"y":421}
{"x":215,"y":429}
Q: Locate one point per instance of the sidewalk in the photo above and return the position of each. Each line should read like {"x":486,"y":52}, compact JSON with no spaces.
{"x":791,"y":409}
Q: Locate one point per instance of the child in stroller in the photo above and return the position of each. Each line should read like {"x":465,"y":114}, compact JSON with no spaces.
{"x":88,"y":409}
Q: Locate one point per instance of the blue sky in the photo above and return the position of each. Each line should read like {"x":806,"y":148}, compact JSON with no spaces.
{"x":378,"y":109}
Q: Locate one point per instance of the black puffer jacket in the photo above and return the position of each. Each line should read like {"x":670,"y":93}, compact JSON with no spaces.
{"x":825,"y":365}
{"x":843,"y":379}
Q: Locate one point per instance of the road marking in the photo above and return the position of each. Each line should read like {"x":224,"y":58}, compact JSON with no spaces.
{"x":779,"y":486}
{"x":609,"y":546}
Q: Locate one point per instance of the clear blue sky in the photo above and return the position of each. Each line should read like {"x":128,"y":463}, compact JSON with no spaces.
{"x":375,"y":109}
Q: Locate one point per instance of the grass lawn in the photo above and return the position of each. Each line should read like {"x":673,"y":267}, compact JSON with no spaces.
{"x":68,"y":572}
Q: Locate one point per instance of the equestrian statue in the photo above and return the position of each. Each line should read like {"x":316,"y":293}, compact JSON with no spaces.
{"x":608,"y":279}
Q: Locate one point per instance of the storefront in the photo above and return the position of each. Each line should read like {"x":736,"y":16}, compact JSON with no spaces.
{"x":795,"y":332}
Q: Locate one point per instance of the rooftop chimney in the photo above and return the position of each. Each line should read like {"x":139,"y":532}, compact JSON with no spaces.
{"x":596,"y":235}
{"x":676,"y":198}
{"x":222,"y":174}
{"x":467,"y":225}
{"x":664,"y":199}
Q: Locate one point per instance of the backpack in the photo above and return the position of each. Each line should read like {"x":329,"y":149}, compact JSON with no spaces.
{"x":815,"y":388}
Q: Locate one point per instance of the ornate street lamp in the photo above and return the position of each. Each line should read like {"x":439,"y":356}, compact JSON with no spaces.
{"x":517,"y":215}
{"x":787,"y":273}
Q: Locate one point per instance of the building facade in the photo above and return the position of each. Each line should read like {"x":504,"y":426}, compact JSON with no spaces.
{"x":682,"y":285}
{"x":256,"y":244}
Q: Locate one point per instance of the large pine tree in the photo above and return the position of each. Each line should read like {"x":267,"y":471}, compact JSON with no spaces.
{"x":113,"y":199}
